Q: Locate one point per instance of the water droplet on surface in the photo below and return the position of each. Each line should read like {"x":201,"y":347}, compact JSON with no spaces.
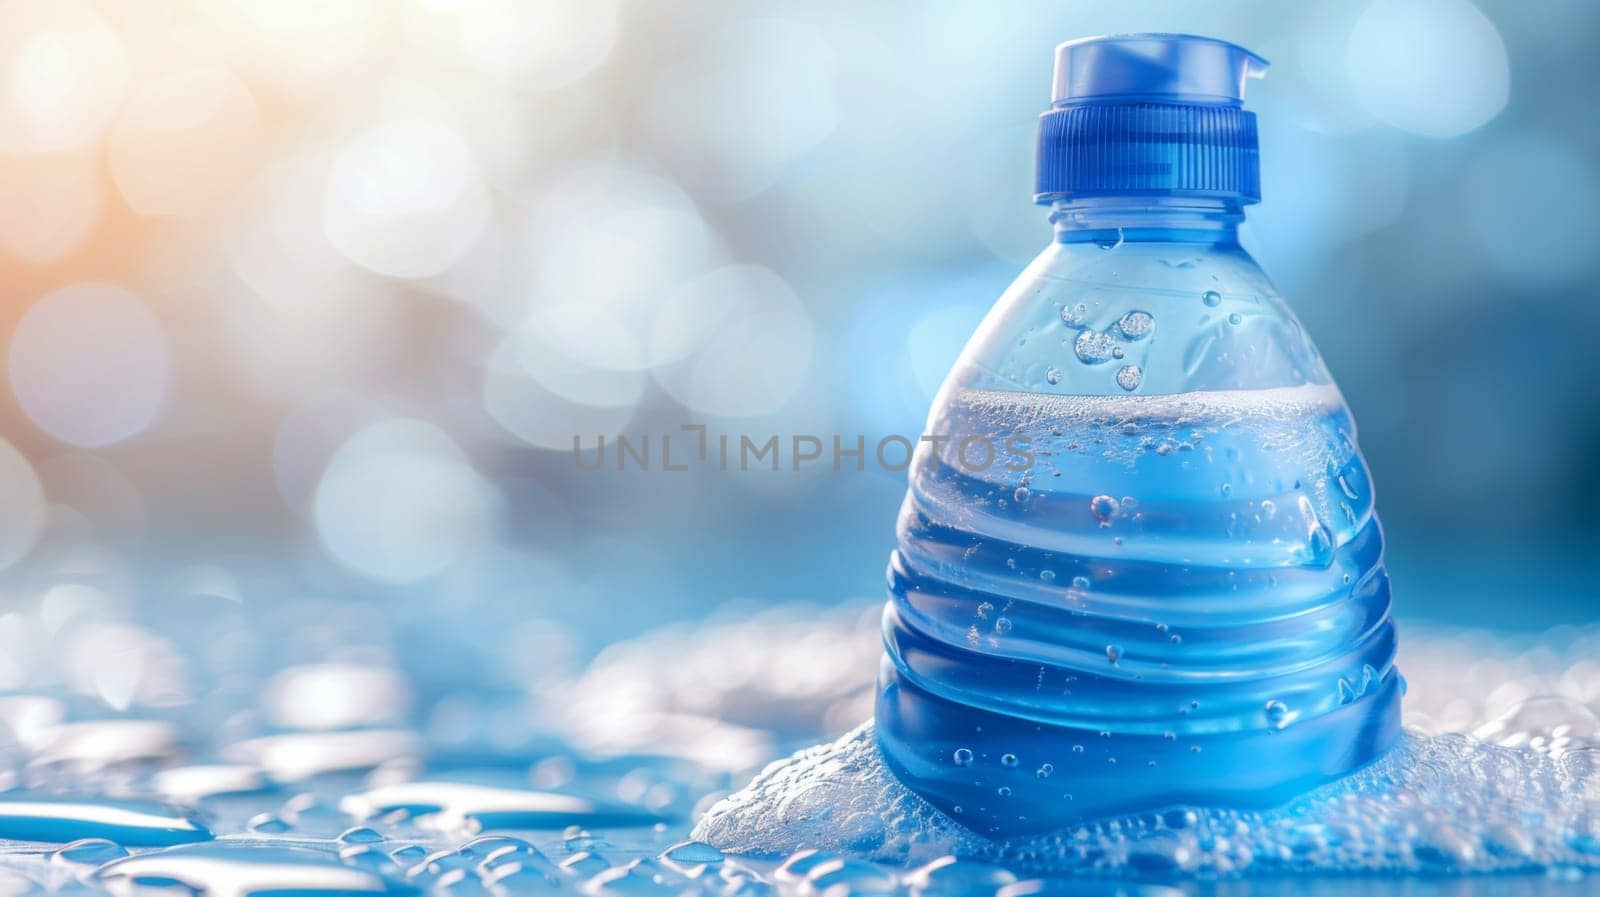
{"x":1075,"y":315}
{"x":948,"y":876}
{"x":692,"y":852}
{"x":360,"y":835}
{"x":268,"y":824}
{"x":1235,"y":318}
{"x":1052,"y":376}
{"x":1211,"y":298}
{"x":89,"y":852}
{"x":242,"y":869}
{"x":1129,"y":376}
{"x":456,"y":805}
{"x":1113,"y":653}
{"x":27,"y":817}
{"x":188,"y":784}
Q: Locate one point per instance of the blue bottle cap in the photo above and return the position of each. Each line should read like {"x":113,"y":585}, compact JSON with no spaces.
{"x":1150,"y":115}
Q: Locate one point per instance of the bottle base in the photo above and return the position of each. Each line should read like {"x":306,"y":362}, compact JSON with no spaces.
{"x":1002,"y":776}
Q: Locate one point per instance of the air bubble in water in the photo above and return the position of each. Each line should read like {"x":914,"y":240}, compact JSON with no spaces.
{"x":1008,"y":760}
{"x":1211,"y":298}
{"x":962,"y":756}
{"x":1104,"y":508}
{"x":1074,"y":315}
{"x":1129,"y":377}
{"x":1052,"y":376}
{"x":1113,"y":653}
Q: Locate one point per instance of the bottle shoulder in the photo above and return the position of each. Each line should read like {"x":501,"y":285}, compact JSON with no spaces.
{"x":1087,"y":319}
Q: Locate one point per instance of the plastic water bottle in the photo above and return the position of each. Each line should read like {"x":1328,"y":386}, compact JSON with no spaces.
{"x":1138,"y":564}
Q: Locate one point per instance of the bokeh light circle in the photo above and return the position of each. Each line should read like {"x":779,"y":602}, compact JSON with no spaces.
{"x":750,"y":338}
{"x":110,"y":504}
{"x":22,"y":512}
{"x":89,"y":364}
{"x":399,"y":502}
{"x":608,"y":244}
{"x":739,"y":108}
{"x":63,"y":75}
{"x":49,"y":204}
{"x":405,"y":199}
{"x":1534,"y":204}
{"x":184,"y":141}
{"x":298,"y":45}
{"x":544,"y":397}
{"x":539,"y":45}
{"x":1431,"y":67}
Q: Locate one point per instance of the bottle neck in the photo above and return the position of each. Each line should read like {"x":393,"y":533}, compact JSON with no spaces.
{"x":1110,"y":220}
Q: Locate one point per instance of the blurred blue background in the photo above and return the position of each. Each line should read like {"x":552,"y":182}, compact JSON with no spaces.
{"x":306,"y":301}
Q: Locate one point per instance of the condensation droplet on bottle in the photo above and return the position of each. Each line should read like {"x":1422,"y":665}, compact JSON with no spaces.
{"x":1136,"y":325}
{"x":1277,"y":713}
{"x":1094,"y":347}
{"x":1211,"y":298}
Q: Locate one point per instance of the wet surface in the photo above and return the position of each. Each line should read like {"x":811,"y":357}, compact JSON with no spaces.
{"x":208,"y":765}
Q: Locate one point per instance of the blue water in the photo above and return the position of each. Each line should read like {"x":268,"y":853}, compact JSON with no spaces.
{"x":1180,"y":600}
